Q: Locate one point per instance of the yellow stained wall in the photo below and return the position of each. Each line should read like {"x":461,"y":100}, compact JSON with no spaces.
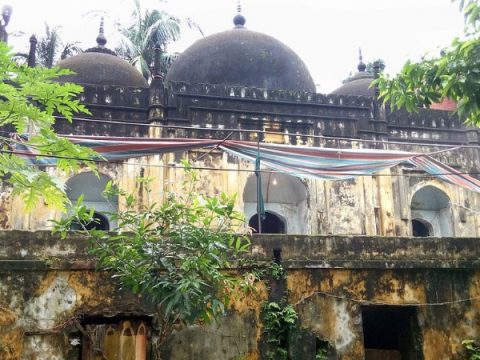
{"x":367,"y":205}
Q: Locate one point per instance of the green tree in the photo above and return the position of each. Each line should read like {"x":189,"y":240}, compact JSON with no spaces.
{"x":51,"y":48}
{"x":149,"y":28}
{"x":473,"y":351}
{"x":454,"y":74}
{"x":29,"y":99}
{"x":370,"y":66}
{"x":176,"y":253}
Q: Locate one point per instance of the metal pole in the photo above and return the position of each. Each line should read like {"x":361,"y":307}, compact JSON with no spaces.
{"x":259,"y":184}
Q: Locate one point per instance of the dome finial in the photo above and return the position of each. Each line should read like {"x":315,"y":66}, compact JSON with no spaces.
{"x":361,"y":66}
{"x":239,"y":20}
{"x":101,"y":39}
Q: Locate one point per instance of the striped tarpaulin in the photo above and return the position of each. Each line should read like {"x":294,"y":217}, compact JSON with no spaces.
{"x":323,"y":163}
{"x":122,"y":148}
{"x":339,"y":164}
{"x":302,"y":161}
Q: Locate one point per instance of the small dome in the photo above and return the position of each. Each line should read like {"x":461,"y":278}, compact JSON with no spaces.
{"x":99,"y":68}
{"x":357,"y":85}
{"x":242,"y":57}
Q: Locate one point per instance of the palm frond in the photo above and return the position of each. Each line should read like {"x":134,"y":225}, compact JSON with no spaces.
{"x":142,"y":66}
{"x":149,"y":28}
{"x":70,"y":49}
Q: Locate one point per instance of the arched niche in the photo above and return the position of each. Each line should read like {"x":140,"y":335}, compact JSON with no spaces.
{"x":99,"y":222}
{"x":91,"y":187}
{"x":421,"y":228}
{"x":431,"y":213}
{"x":284,"y":196}
{"x":271,"y":223}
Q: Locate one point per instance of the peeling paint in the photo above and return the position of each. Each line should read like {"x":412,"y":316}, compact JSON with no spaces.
{"x":327,"y":297}
{"x":344,"y":336}
{"x":52,"y":303}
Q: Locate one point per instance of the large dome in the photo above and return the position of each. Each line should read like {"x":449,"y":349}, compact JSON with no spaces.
{"x":242,"y":57}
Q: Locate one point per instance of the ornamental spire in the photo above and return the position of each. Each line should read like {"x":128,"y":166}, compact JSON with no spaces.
{"x":361,"y":66}
{"x":31,"y":60}
{"x":239,"y":20}
{"x":101,"y":39}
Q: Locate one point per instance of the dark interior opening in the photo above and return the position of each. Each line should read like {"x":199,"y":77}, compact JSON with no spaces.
{"x":420,"y":228}
{"x":272,"y":224}
{"x":390,"y":333}
{"x":98,"y":320}
{"x":99,"y":222}
{"x":324,"y":350}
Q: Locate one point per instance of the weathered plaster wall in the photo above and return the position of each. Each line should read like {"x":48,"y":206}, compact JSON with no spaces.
{"x":367,"y":205}
{"x":47,"y":286}
{"x":330,"y":302}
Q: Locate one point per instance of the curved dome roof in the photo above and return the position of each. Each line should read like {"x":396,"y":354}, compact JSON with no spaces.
{"x":242,"y":57}
{"x":101,"y":69}
{"x":357,"y":85}
{"x":100,"y":66}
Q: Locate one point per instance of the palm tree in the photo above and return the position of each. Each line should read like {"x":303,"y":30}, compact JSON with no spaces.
{"x":51,"y":48}
{"x":150,"y":28}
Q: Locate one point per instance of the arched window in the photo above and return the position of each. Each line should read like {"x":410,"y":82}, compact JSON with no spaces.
{"x":285,"y":198}
{"x":431,"y":213}
{"x":272,"y":224}
{"x":91,"y":187}
{"x":99,"y":222}
{"x":421,"y":228}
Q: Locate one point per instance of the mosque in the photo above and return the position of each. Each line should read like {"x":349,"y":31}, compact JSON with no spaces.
{"x":380,"y":265}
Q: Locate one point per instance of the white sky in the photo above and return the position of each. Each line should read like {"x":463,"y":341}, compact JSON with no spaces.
{"x":326,"y":34}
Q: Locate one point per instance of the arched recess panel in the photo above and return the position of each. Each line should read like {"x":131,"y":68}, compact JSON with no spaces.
{"x":271,"y":224}
{"x":284,"y":196}
{"x":115,"y":339}
{"x":431,"y":211}
{"x":92,"y":187}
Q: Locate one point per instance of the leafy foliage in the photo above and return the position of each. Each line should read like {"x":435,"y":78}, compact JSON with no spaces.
{"x":260,"y":270}
{"x":473,"y":351}
{"x":29,"y":99}
{"x":276,"y":270}
{"x":371,"y":65}
{"x":148,"y":29}
{"x":51,"y":48}
{"x":177,"y":250}
{"x":278,"y":320}
{"x":322,"y":354}
{"x":454,"y":74}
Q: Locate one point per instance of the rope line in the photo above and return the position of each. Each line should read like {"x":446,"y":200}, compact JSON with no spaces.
{"x":326,"y":137}
{"x":211,"y":168}
{"x":384,"y":303}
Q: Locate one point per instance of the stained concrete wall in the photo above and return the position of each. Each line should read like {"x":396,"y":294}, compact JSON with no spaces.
{"x":49,"y":286}
{"x":367,"y":205}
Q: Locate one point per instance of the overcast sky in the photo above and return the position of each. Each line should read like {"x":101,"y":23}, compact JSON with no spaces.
{"x":326,"y":34}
